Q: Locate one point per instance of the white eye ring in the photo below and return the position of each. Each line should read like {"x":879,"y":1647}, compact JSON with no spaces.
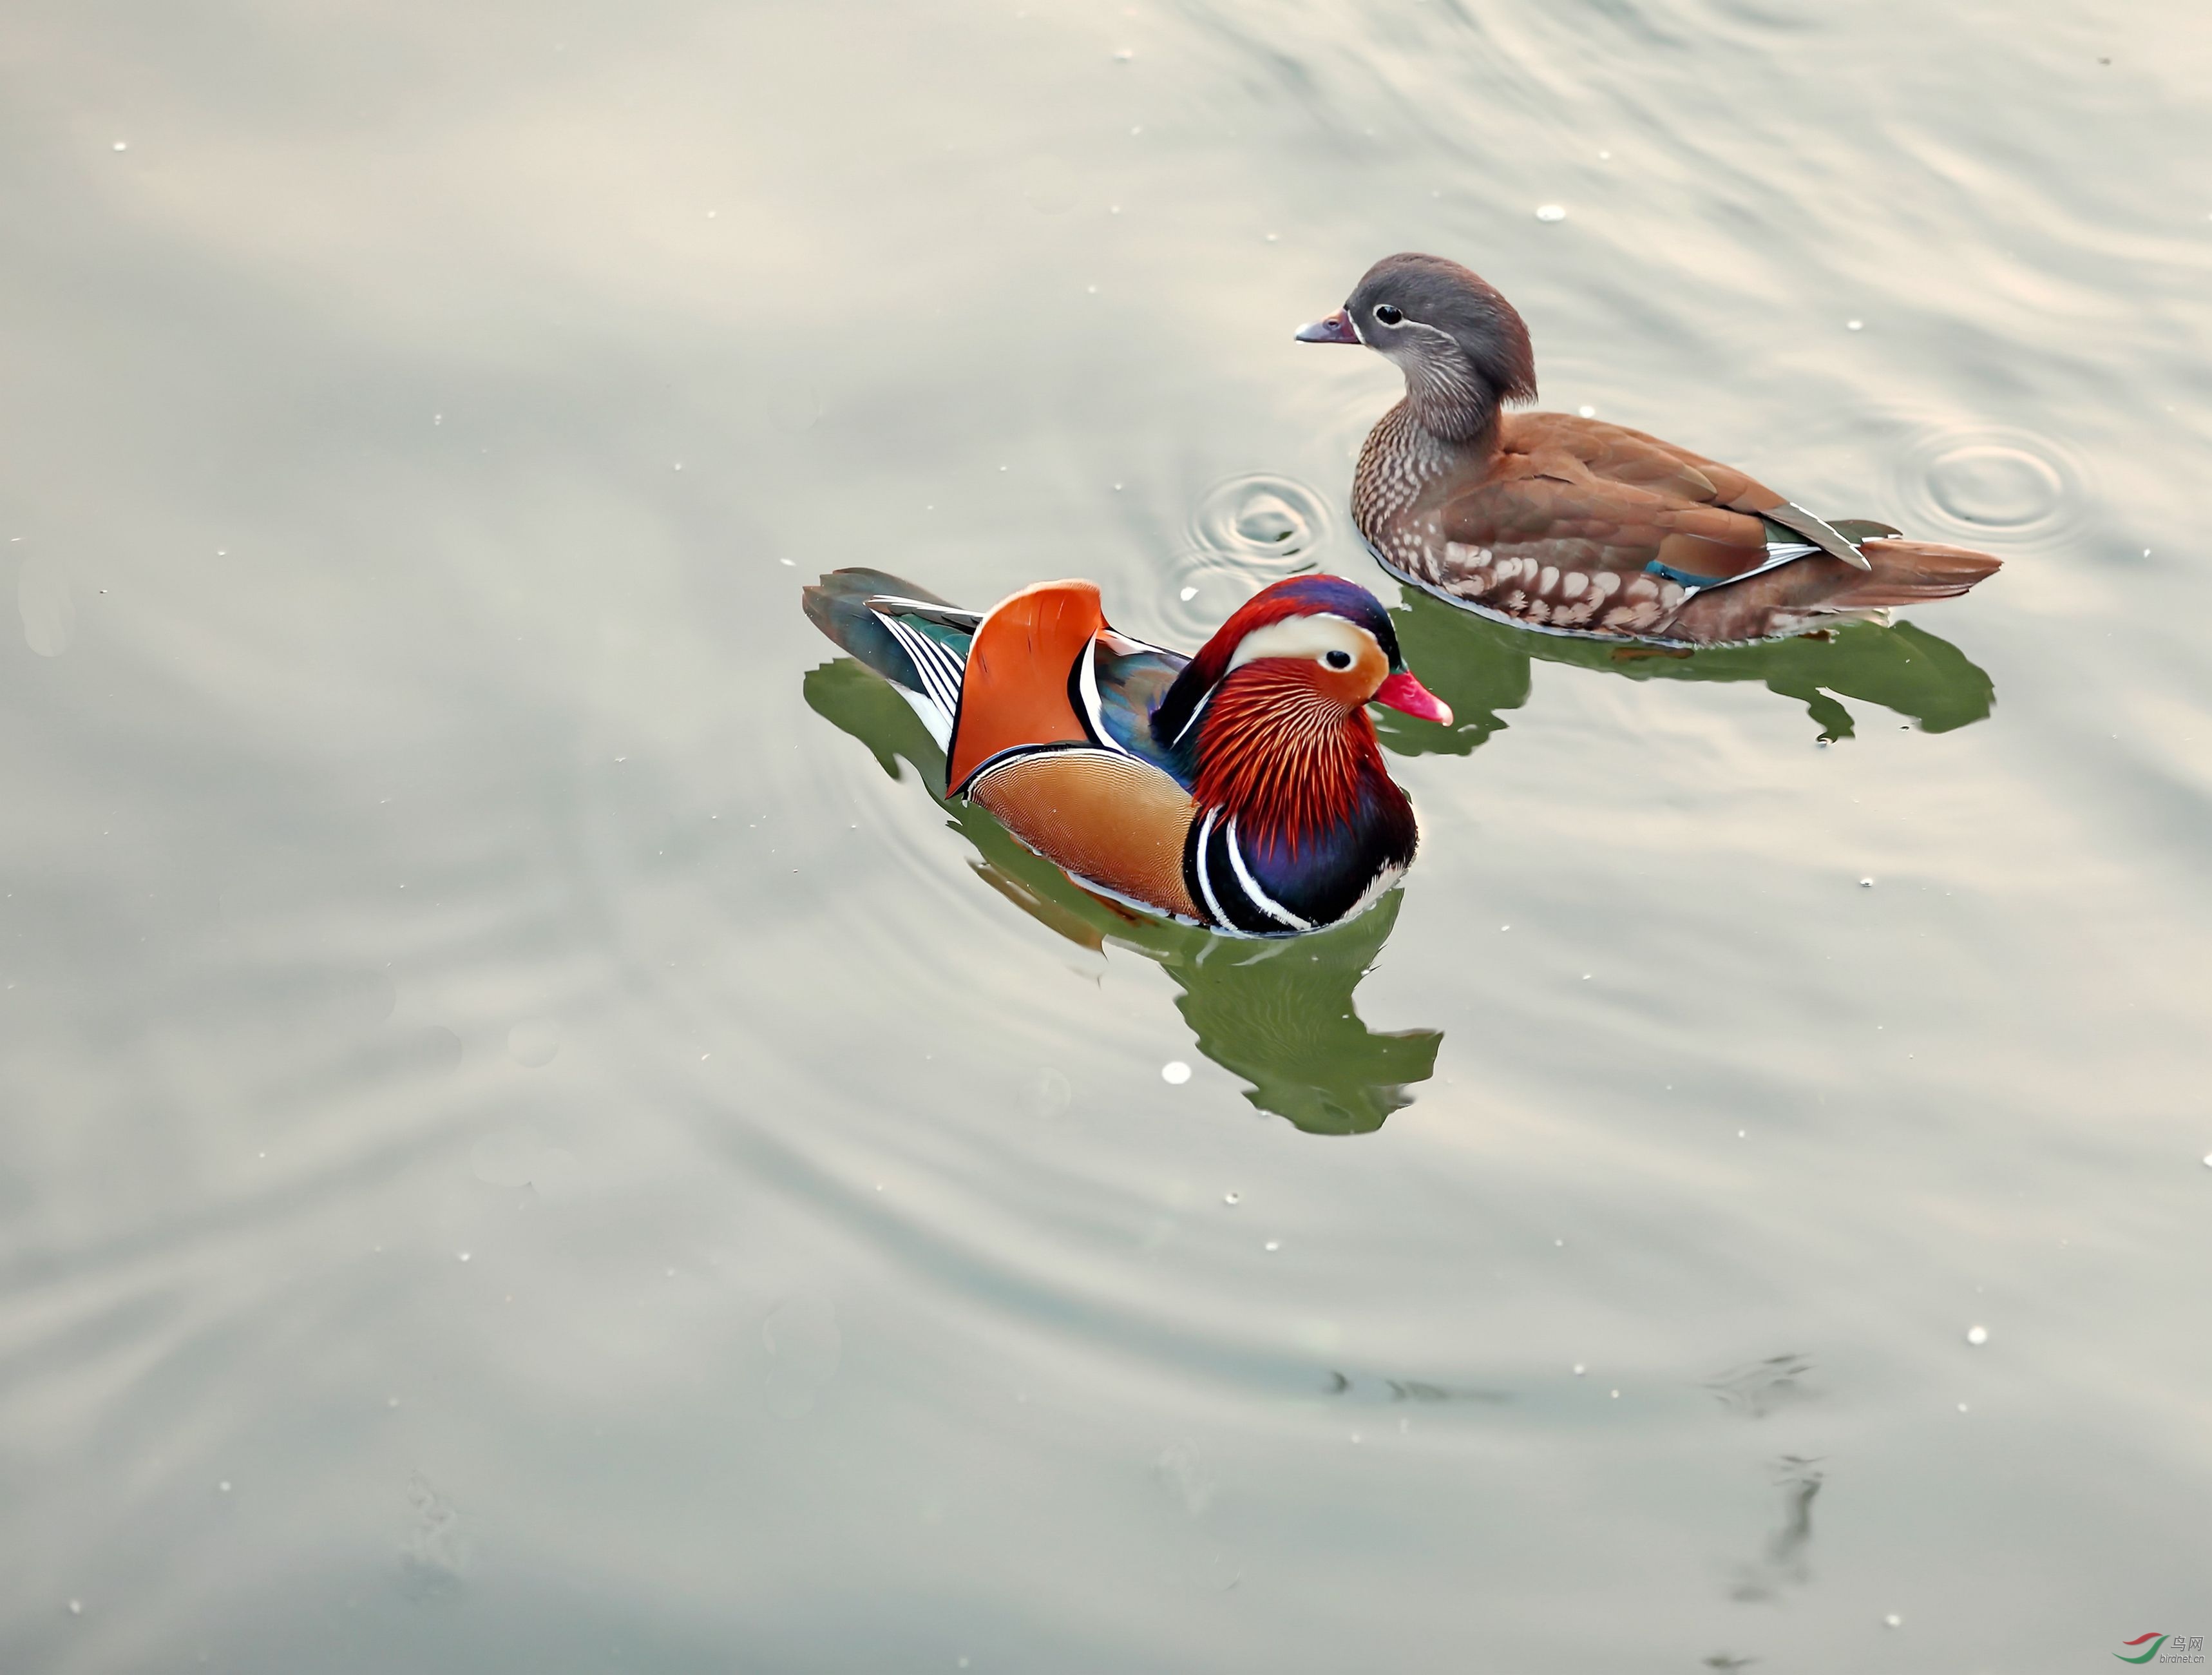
{"x":1389,"y":314}
{"x":1337,"y":659}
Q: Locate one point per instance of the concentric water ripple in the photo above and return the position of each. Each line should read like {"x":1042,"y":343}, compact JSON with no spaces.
{"x":1261,"y":518}
{"x":1988,"y":481}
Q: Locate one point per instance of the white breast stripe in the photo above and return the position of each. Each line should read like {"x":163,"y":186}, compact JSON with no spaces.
{"x":1260,"y":898}
{"x":1205,"y":885}
{"x":1195,"y":715}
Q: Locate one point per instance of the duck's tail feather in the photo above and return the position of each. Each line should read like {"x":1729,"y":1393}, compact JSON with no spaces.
{"x":913,"y":639}
{"x":1905,"y":572}
{"x":840,"y":606}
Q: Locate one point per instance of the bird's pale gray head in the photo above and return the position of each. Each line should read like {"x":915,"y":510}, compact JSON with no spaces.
{"x":1462,"y":346}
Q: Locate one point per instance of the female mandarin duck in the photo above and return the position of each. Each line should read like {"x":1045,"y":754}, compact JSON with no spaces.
{"x":1578,"y":527}
{"x":1241,"y":789}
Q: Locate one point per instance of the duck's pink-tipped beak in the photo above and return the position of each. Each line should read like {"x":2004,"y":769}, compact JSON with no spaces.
{"x":1337,"y":328}
{"x":1403,"y":692}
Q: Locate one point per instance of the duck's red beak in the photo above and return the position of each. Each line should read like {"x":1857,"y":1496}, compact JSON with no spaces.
{"x":1403,"y":692}
{"x":1337,"y":328}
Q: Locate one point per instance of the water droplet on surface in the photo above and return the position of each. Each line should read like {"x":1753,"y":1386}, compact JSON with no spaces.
{"x":804,"y":1347}
{"x":123,"y":145}
{"x":1230,"y":1198}
{"x":223,"y":1487}
{"x":1174,"y":1073}
{"x":533,"y":1043}
{"x":1187,"y":594}
{"x":1181,"y":1472}
{"x":463,"y":1255}
{"x":1978,"y":1335}
{"x":1614,"y":1394}
{"x":1854,"y":325}
{"x":1048,"y":1092}
{"x":1273,"y":1245}
{"x":1962,"y":1407}
{"x":1587,"y":412}
{"x":1551,"y":212}
{"x":1123,"y":55}
{"x":1580,"y":1370}
{"x":76,"y":1606}
{"x":1892,"y":1620}
{"x":1866,"y":884}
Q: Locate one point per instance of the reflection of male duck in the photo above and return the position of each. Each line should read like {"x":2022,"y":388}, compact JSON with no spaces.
{"x":1278,"y":1012}
{"x":1482,"y":668}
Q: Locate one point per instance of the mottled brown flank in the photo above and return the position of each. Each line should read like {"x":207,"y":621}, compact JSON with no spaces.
{"x":1558,"y":526}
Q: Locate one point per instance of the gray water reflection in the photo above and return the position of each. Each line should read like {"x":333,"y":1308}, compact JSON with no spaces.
{"x":380,"y":707}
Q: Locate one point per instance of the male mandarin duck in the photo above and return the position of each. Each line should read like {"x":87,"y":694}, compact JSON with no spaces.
{"x":1575,"y":527}
{"x":1240,"y":789}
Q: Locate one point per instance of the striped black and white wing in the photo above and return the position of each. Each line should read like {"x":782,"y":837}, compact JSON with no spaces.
{"x":935,"y":638}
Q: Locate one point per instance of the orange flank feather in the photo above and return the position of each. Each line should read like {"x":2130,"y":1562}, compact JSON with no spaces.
{"x":1109,"y":820}
{"x":1015,"y":691}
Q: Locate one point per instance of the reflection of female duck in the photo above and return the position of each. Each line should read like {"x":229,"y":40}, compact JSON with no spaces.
{"x":1482,"y":668}
{"x":1278,"y":1012}
{"x":1240,"y":789}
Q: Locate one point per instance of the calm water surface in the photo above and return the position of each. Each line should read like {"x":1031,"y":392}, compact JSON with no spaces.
{"x":529,"y":1141}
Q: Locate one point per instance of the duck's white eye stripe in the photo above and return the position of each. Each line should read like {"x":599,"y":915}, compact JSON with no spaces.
{"x":1312,"y":637}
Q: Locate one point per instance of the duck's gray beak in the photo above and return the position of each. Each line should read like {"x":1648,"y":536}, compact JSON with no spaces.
{"x":1337,"y":328}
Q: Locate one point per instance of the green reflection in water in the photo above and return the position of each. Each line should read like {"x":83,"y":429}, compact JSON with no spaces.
{"x":1481,"y":667}
{"x":1277,"y":1014}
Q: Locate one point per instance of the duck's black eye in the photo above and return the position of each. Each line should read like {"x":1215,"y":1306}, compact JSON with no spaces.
{"x":1337,"y":660}
{"x":1388,"y":313}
